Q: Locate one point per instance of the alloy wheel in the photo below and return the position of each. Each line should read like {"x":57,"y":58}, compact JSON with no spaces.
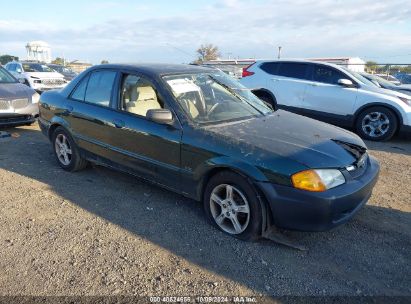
{"x":375,"y":124}
{"x":230,"y":209}
{"x":63,"y":149}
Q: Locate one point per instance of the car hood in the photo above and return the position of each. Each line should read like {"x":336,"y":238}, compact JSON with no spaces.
{"x":42,"y":75}
{"x":309,"y":142}
{"x":15,"y":91}
{"x":389,"y":92}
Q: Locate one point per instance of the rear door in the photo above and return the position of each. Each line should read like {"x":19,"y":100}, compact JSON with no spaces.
{"x":150,"y":149}
{"x":288,"y":83}
{"x":325,"y":99}
{"x":90,"y":114}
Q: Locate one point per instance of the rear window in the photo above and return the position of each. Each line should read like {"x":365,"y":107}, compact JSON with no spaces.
{"x":294,"y":70}
{"x":286,"y":69}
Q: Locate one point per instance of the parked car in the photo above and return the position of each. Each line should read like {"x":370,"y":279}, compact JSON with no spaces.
{"x":385,"y":84}
{"x":68,"y":73}
{"x":198,"y":132}
{"x":36,"y":75}
{"x":403,"y":78}
{"x":332,"y":94}
{"x":389,"y":78}
{"x":18,"y":102}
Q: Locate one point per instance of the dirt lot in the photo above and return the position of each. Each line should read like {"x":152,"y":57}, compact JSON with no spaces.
{"x":99,"y":232}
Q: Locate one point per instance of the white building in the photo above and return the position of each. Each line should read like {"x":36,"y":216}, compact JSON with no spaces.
{"x":38,"y":50}
{"x":355,"y":64}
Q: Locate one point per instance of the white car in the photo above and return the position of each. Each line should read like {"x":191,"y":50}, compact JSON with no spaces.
{"x":36,"y":75}
{"x":332,"y":94}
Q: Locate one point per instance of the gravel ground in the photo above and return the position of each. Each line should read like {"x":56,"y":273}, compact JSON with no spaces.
{"x":100,"y":232}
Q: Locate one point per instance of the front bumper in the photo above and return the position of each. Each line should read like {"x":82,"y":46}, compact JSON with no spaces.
{"x":296,"y":209}
{"x":17,"y":117}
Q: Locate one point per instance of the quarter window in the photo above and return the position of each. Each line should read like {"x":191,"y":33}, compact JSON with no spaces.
{"x":99,"y":88}
{"x":80,"y":91}
{"x":327,"y":75}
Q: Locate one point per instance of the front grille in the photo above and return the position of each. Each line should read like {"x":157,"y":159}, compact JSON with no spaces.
{"x":4,"y":105}
{"x":361,"y":158}
{"x":53,"y":82}
{"x":20,"y":103}
{"x":15,"y":119}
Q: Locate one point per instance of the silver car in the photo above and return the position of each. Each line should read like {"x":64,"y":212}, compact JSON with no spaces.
{"x":18,"y":102}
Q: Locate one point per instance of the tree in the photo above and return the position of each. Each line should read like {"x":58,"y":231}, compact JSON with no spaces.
{"x":4,"y":59}
{"x":207,"y":52}
{"x":371,"y":66}
{"x":104,"y":61}
{"x":59,"y":61}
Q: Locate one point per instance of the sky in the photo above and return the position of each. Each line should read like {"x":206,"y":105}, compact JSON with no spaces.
{"x":171,"y":31}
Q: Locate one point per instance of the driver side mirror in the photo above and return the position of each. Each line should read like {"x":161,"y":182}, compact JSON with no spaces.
{"x":22,"y":80}
{"x":161,"y":116}
{"x":346,"y":83}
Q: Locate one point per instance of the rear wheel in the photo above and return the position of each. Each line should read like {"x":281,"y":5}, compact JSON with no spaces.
{"x":266,"y":97}
{"x":377,"y":124}
{"x":66,"y":151}
{"x":232,"y":205}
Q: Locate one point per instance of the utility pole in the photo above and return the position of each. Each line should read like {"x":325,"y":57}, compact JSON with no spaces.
{"x":279,"y":52}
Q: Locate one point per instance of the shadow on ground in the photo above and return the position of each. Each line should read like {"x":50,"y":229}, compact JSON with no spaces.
{"x":369,"y":255}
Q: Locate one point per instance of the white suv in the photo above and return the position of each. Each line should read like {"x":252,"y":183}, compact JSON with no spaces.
{"x":36,"y":75}
{"x":332,"y":94}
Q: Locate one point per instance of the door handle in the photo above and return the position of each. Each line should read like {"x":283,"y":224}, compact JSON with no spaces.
{"x":314,"y":84}
{"x":118,"y":123}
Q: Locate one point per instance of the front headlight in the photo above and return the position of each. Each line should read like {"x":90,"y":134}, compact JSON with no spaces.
{"x":405,"y":100}
{"x":317,"y":180}
{"x":35,"y":98}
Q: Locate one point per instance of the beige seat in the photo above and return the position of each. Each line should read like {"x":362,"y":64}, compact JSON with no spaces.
{"x":142,"y":99}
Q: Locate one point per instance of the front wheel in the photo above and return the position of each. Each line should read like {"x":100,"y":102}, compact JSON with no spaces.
{"x":377,"y":124}
{"x":232,"y":205}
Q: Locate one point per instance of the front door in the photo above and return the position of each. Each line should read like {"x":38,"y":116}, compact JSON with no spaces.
{"x":150,"y":149}
{"x":325,"y":99}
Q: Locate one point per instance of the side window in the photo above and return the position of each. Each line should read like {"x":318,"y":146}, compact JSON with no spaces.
{"x":138,"y":95}
{"x":294,"y":70}
{"x":270,"y":67}
{"x":99,"y":87}
{"x":326,"y":74}
{"x":80,"y":92}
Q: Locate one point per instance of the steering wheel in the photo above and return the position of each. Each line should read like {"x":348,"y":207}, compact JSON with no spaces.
{"x":215,"y":106}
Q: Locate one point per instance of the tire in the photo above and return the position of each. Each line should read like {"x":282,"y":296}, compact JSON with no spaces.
{"x":64,"y":143}
{"x":266,"y":98}
{"x":219,"y":208}
{"x":377,"y":124}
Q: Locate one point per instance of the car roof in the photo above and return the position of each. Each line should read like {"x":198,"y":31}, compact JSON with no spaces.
{"x":156,"y":69}
{"x":297,"y":61}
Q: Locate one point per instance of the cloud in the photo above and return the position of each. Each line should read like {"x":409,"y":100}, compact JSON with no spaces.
{"x":244,"y":28}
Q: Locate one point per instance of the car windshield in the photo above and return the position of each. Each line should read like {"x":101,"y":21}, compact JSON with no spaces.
{"x":62,"y":69}
{"x":36,"y":67}
{"x":381,"y":81}
{"x":214,"y":97}
{"x":5,"y":77}
{"x":359,"y":77}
